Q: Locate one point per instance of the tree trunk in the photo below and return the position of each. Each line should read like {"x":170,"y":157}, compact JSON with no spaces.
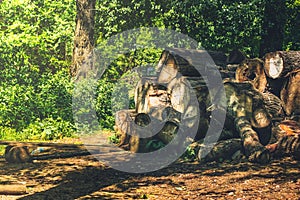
{"x":273,"y":26}
{"x":281,"y":63}
{"x":252,"y":70}
{"x":290,"y":95}
{"x":84,"y":37}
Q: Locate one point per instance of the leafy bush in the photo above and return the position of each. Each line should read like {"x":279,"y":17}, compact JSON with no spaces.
{"x":49,"y":129}
{"x":35,"y":53}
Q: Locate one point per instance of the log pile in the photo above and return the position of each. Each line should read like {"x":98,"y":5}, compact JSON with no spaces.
{"x":283,"y":71}
{"x":260,"y":94}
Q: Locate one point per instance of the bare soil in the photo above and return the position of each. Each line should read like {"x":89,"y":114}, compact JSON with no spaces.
{"x":84,"y":177}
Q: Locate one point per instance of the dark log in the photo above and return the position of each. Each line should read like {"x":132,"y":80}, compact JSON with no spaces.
{"x":65,"y":154}
{"x":281,"y":63}
{"x":183,"y":62}
{"x":168,"y":132}
{"x":41,"y":144}
{"x":252,"y":70}
{"x":17,"y":154}
{"x":254,"y":150}
{"x":220,"y":151}
{"x":13,"y":189}
{"x":244,"y":101}
{"x":219,"y":58}
{"x":290,"y":95}
{"x":275,"y":85}
{"x":274,"y":106}
{"x":227,"y":74}
{"x":236,"y":57}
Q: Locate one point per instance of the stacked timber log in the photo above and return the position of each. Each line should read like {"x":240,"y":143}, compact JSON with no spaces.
{"x":277,"y":78}
{"x":179,"y":97}
{"x":252,"y":70}
{"x":283,"y":71}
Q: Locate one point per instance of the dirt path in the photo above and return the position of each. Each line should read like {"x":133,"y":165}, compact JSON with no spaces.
{"x":86,"y":178}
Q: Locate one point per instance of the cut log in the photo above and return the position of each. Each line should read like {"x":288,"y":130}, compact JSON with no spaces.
{"x":288,"y":145}
{"x":122,"y":123}
{"x":135,"y":129}
{"x":274,"y":106}
{"x":281,"y":63}
{"x":290,"y":95}
{"x":41,"y":144}
{"x":236,"y":57}
{"x":275,"y":85}
{"x":219,"y":58}
{"x":141,"y":93}
{"x":254,"y":150}
{"x":220,"y":151}
{"x":244,"y":101}
{"x":149,"y":93}
{"x":17,"y":154}
{"x":186,"y":99}
{"x":252,"y":70}
{"x":185,"y":62}
{"x":13,"y":189}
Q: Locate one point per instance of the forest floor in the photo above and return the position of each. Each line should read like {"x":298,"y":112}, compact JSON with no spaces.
{"x":84,"y":177}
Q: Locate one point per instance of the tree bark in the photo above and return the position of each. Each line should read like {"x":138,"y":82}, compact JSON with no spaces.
{"x":281,"y":63}
{"x":17,"y":154}
{"x":274,"y":106}
{"x":252,"y":70}
{"x":244,"y":101}
{"x":219,"y":151}
{"x":290,"y":95}
{"x":84,"y":37}
{"x":236,"y":57}
{"x":254,"y":150}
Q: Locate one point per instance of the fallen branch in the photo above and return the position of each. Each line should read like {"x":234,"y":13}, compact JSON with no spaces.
{"x":13,"y":189}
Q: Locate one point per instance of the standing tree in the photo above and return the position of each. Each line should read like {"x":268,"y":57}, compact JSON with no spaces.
{"x":84,"y":34}
{"x":273,"y":26}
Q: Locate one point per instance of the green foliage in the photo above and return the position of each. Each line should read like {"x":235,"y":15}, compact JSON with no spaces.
{"x":115,"y":138}
{"x":36,"y":34}
{"x":292,"y":33}
{"x":189,"y":154}
{"x":36,"y":41}
{"x":23,"y":103}
{"x":116,"y":87}
{"x":49,"y":129}
{"x":35,"y":52}
{"x":154,"y":144}
{"x":216,"y":24}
